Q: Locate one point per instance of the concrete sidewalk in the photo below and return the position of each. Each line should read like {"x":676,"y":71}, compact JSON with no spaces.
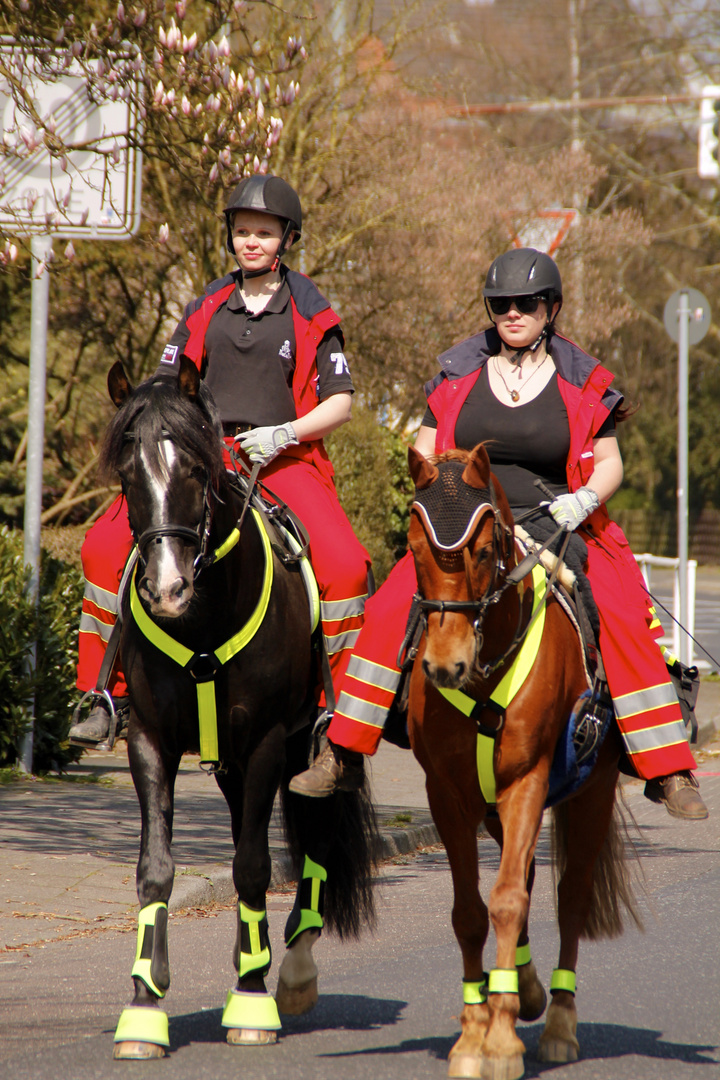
{"x":68,"y":848}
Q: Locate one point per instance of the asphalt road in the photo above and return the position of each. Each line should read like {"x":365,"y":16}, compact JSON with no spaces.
{"x":649,"y":1004}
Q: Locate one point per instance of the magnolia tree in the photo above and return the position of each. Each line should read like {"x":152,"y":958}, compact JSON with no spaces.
{"x":208,"y":83}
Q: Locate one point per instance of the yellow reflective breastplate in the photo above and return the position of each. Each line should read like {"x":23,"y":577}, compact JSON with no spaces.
{"x":208,"y":665}
{"x":507,"y":688}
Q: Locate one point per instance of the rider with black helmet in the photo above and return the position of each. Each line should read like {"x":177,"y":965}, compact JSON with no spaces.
{"x":545,"y":411}
{"x":271,"y":349}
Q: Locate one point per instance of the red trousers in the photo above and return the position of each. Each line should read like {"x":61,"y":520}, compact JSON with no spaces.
{"x":339,"y":560}
{"x":647,"y":709}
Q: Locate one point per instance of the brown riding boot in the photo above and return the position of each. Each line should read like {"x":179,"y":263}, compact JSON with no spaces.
{"x":680,"y":793}
{"x":334,"y":769}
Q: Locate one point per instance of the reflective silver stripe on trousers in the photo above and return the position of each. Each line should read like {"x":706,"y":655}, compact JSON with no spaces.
{"x":90,"y":625}
{"x":374,"y":674}
{"x":654,"y":738}
{"x":339,"y":642}
{"x":334,"y":610}
{"x":103,"y":598}
{"x":362,"y":711}
{"x":655,"y":697}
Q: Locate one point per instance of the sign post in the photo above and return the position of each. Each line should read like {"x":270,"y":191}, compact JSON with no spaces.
{"x":687,"y":318}
{"x":92,"y":192}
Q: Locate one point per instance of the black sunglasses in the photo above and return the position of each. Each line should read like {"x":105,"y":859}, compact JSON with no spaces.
{"x":526,"y":305}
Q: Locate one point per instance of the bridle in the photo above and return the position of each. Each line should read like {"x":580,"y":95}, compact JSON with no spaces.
{"x":199,"y":536}
{"x":502,"y":541}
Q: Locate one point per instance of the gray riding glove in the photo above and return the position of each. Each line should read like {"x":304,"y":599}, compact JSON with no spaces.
{"x":571,"y":510}
{"x":263,"y":444}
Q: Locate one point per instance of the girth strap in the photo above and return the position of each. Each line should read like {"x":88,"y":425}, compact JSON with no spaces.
{"x":205,"y":666}
{"x":506,"y":689}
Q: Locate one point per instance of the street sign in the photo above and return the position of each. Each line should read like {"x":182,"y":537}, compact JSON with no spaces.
{"x":94,"y":191}
{"x":698,"y":315}
{"x":546,"y":231}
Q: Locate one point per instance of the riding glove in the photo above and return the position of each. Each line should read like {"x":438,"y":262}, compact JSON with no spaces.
{"x":263,"y":444}
{"x":571,"y":510}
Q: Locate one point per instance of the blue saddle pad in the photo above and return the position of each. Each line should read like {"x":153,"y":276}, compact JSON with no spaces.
{"x":566,"y":774}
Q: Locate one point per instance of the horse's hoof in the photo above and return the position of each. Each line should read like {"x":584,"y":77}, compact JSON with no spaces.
{"x":250,"y":1037}
{"x":296,"y":1000}
{"x":533,"y":998}
{"x":137,"y":1051}
{"x":503,"y":1068}
{"x":557,"y":1051}
{"x":465,"y":1066}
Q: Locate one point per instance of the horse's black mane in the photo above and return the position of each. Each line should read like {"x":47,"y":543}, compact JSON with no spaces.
{"x":158,"y":405}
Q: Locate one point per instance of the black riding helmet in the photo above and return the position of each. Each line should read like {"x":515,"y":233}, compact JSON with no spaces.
{"x":266,"y":194}
{"x":525,"y":272}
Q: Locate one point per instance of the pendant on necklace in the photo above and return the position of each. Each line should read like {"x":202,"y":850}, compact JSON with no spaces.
{"x":514,"y":395}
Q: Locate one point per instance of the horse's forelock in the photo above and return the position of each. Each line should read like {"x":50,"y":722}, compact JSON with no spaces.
{"x":157,"y":406}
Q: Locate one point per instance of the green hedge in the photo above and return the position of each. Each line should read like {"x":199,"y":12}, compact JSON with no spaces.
{"x":49,"y":694}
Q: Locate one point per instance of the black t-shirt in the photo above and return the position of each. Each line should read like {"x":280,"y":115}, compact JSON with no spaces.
{"x":251,"y":360}
{"x":523,"y":443}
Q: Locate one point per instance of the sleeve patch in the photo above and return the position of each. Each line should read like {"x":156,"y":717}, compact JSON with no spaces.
{"x":341,"y":364}
{"x":169,"y":355}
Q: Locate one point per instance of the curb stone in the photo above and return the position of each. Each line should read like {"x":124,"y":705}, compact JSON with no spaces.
{"x":197,"y":890}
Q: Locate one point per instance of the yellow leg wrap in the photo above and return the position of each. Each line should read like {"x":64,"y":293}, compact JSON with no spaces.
{"x":522,"y":955}
{"x":307,"y":913}
{"x":151,"y":952}
{"x":503,"y":981}
{"x":475,"y":993}
{"x":142,"y":1024}
{"x":245,"y":1010}
{"x":253,"y":953}
{"x":563,"y":979}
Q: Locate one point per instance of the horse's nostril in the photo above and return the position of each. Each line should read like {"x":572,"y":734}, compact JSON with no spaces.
{"x":178,"y":587}
{"x":460,"y":670}
{"x":426,"y":668}
{"x":148,"y":587}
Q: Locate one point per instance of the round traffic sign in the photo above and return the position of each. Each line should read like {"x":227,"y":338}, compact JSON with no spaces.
{"x":699,"y":315}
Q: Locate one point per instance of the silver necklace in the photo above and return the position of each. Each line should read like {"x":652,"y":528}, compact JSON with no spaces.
{"x":515,"y":394}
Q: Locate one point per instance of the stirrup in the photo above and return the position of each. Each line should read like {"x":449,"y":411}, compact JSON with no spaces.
{"x":114,"y":718}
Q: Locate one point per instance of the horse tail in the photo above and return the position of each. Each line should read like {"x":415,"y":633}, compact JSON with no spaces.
{"x":349,"y":854}
{"x":615,"y":879}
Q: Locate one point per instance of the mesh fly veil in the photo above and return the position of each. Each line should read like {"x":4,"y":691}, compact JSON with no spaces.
{"x":450,"y":508}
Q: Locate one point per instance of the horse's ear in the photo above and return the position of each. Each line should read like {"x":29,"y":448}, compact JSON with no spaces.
{"x":188,"y":378}
{"x":477,"y":471}
{"x":119,"y":386}
{"x":423,"y":473}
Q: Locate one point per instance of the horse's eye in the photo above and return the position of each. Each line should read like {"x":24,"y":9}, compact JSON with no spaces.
{"x":483,"y":555}
{"x":198,"y":473}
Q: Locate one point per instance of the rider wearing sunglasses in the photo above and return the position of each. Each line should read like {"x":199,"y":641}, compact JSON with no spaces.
{"x":545,"y":409}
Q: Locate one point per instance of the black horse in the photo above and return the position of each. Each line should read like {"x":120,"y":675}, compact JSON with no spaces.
{"x":217,"y":649}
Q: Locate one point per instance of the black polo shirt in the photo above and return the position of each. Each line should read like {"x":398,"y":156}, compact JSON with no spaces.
{"x":250,"y":360}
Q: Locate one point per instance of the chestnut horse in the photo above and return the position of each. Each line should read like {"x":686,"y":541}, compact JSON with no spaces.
{"x":218,"y":652}
{"x":477,"y":620}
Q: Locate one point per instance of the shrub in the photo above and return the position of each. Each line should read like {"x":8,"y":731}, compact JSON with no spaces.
{"x":46,"y":696}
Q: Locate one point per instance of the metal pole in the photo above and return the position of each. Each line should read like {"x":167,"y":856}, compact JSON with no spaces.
{"x":41,"y":247}
{"x":682,"y":473}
